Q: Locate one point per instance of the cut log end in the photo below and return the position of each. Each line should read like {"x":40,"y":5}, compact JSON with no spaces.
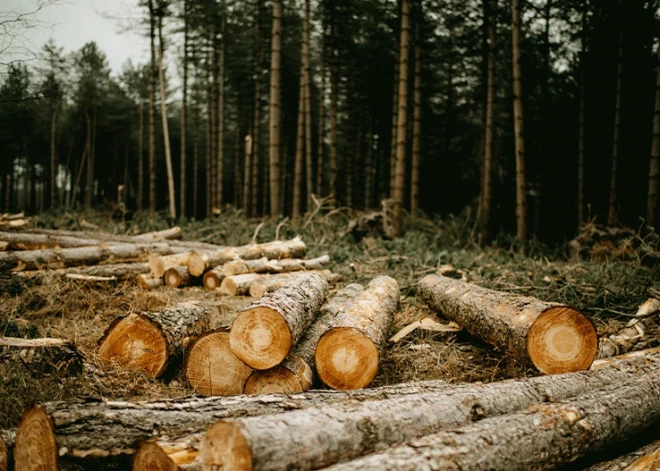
{"x":196,"y":264}
{"x":278,"y":380}
{"x":213,"y":279}
{"x":135,"y":343}
{"x":228,"y":286}
{"x":225,"y":447}
{"x":35,"y":447}
{"x":346,"y":359}
{"x":151,"y":457}
{"x":562,"y":340}
{"x":176,"y":277}
{"x":212,"y":369}
{"x":145,"y":281}
{"x":260,"y":337}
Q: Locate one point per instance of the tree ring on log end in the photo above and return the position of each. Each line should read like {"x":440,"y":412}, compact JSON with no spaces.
{"x":225,"y":447}
{"x":278,"y":380}
{"x":172,"y":278}
{"x":213,"y":369}
{"x":562,"y":340}
{"x":35,"y":447}
{"x":260,"y":337}
{"x":151,"y":457}
{"x":346,"y":359}
{"x":135,"y":342}
{"x":211,"y":280}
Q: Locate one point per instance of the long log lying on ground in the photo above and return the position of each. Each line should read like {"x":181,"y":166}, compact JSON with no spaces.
{"x":211,"y":367}
{"x":146,"y":281}
{"x":213,"y":278}
{"x":263,"y":334}
{"x":160,"y":264}
{"x":552,"y":337}
{"x":42,"y":356}
{"x":626,"y":461}
{"x":265,"y":265}
{"x":120,"y":271}
{"x":178,"y":277}
{"x":544,"y":437}
{"x":266,"y":283}
{"x":348,"y":354}
{"x":200,"y":262}
{"x":150,"y":340}
{"x":295,"y":374}
{"x":59,"y":258}
{"x":296,"y":439}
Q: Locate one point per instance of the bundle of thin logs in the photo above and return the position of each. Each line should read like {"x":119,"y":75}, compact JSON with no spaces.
{"x":540,"y":423}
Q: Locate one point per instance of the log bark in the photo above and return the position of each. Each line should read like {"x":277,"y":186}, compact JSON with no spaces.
{"x":264,"y":265}
{"x":199,"y":263}
{"x":211,"y":367}
{"x":348,"y":354}
{"x":636,"y":333}
{"x":159,"y":265}
{"x":120,"y":271}
{"x":552,"y":337}
{"x":269,"y":283}
{"x":178,"y":277}
{"x":648,"y":462}
{"x":42,"y":356}
{"x":59,"y":258}
{"x":263,"y":334}
{"x":4,"y":455}
{"x":296,"y":373}
{"x":544,"y":437}
{"x":152,"y":340}
{"x":295,"y":439}
{"x":145,"y":281}
{"x":213,"y":278}
{"x":626,"y":462}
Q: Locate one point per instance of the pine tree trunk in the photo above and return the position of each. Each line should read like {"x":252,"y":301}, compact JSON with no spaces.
{"x":140,"y":188}
{"x":53,"y":159}
{"x":281,"y":316}
{"x":518,"y":122}
{"x":612,"y":213}
{"x":334,"y":103}
{"x":487,"y":184}
{"x":369,"y":169}
{"x":552,"y":337}
{"x":320,"y":157}
{"x":395,"y":119}
{"x":546,"y":437}
{"x":152,"y":109}
{"x":274,"y":127}
{"x":654,"y":168}
{"x":212,"y":111}
{"x":196,"y":164}
{"x":89,"y":189}
{"x":295,"y":439}
{"x":348,"y":353}
{"x":309,"y":187}
{"x":184,"y":115}
{"x":300,"y":144}
{"x":256,"y":127}
{"x":221,"y":111}
{"x":151,"y":341}
{"x":398,"y":194}
{"x":417,"y":117}
{"x":163,"y":113}
{"x":247,"y":172}
{"x":583,"y":53}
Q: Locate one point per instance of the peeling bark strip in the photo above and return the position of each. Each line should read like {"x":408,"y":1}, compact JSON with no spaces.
{"x":88,"y":432}
{"x":149,"y":282}
{"x":296,"y":373}
{"x":264,"y":265}
{"x":633,"y":335}
{"x":347,"y":355}
{"x":268,"y":283}
{"x":59,"y":258}
{"x":552,"y":337}
{"x":349,"y":430}
{"x":200,"y":262}
{"x":212,"y":369}
{"x":178,"y":277}
{"x":159,"y":265}
{"x":544,"y":437}
{"x":150,"y":340}
{"x":42,"y":356}
{"x":264,"y":333}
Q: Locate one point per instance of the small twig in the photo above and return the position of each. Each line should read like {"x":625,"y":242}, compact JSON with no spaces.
{"x":279,"y":226}
{"x":313,"y":213}
{"x":256,"y":231}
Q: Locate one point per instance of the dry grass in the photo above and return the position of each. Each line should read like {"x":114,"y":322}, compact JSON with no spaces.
{"x":81,"y":312}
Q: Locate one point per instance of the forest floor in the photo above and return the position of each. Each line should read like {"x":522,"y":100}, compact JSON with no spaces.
{"x":607,"y":289}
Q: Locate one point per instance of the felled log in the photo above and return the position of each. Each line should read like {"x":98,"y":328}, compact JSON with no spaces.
{"x":545,"y":437}
{"x":120,"y":271}
{"x":263,"y":334}
{"x":151,"y":457}
{"x":151,"y":340}
{"x":265,"y":265}
{"x":267,"y":283}
{"x":200,"y":262}
{"x":552,"y":337}
{"x":160,"y":264}
{"x":59,"y":258}
{"x":177,"y":277}
{"x":166,"y":234}
{"x":296,"y":372}
{"x":650,"y":461}
{"x":42,"y":356}
{"x":638,"y":332}
{"x":348,"y":353}
{"x":321,"y":436}
{"x":211,"y":367}
{"x":213,"y":279}
{"x":146,"y":281}
{"x":92,"y":433}
{"x":627,"y":461}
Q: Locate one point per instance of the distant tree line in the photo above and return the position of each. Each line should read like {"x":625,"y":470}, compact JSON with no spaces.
{"x":536,"y":115}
